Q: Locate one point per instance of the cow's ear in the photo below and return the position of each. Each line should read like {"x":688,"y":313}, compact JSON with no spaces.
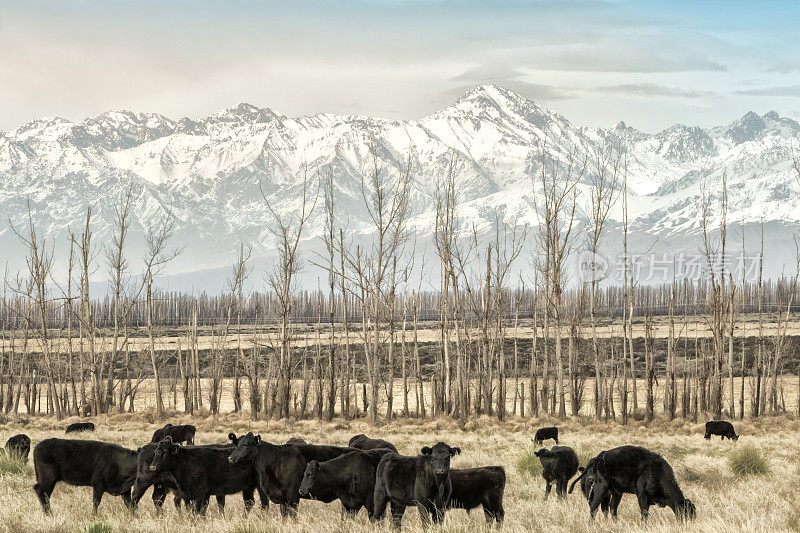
{"x":232,"y":437}
{"x":258,"y":439}
{"x":426,"y":450}
{"x":455,"y":451}
{"x":581,"y":469}
{"x":167,"y":439}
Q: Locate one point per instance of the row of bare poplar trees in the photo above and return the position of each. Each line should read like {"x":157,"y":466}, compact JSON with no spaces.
{"x":353,"y":361}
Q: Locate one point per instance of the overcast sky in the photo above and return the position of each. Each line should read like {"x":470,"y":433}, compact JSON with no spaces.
{"x":651,"y":64}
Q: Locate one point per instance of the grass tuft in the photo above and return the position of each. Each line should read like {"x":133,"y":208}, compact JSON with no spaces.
{"x":98,"y":527}
{"x":748,"y":461}
{"x":12,"y":464}
{"x":528,"y":464}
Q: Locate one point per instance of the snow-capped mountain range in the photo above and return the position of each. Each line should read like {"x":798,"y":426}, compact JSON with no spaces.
{"x":209,"y":173}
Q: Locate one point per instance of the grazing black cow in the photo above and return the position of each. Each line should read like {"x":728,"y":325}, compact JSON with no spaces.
{"x":542,"y":434}
{"x":19,"y":446}
{"x":558,"y":464}
{"x":722,"y":428}
{"x":423,"y":481}
{"x":80,"y":426}
{"x":351,"y":477}
{"x":362,"y":442}
{"x":164,"y":482}
{"x":203,"y":471}
{"x":280,"y":467}
{"x":632,"y":470}
{"x":86,"y":463}
{"x":296,"y":440}
{"x":178,"y":434}
{"x":484,"y":485}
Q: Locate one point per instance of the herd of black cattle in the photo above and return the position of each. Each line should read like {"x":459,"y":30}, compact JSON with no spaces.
{"x":368,"y":473}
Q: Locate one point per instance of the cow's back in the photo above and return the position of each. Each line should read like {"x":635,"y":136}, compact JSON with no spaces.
{"x":82,"y":462}
{"x":470,"y":485}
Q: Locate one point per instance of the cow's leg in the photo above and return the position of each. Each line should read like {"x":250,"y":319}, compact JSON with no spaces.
{"x":707,"y":435}
{"x":561,"y":488}
{"x":45,"y":483}
{"x":350,"y":511}
{"x":97,"y":495}
{"x":600,"y":495}
{"x":159,"y":495}
{"x":289,"y":509}
{"x":556,"y":439}
{"x":43,"y":491}
{"x":426,"y":514}
{"x":547,"y":489}
{"x":437,"y":513}
{"x":249,"y":497}
{"x":398,"y":509}
{"x":263,"y":496}
{"x":126,"y":499}
{"x":616,"y":497}
{"x":379,"y":500}
{"x":221,"y":504}
{"x":644,"y":501}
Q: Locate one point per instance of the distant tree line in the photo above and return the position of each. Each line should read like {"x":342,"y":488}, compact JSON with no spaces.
{"x":354,"y":347}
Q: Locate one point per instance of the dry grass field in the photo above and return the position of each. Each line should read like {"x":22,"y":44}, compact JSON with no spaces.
{"x":725,"y":501}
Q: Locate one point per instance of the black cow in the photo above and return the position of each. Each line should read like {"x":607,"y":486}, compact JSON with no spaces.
{"x":722,"y":428}
{"x":542,"y":434}
{"x":80,"y":426}
{"x":86,"y":463}
{"x":484,"y":485}
{"x":558,"y":464}
{"x":351,"y":477}
{"x":19,"y":446}
{"x":362,"y":442}
{"x":423,"y":481}
{"x":177,"y":433}
{"x":200,"y":472}
{"x":280,"y":467}
{"x":164,"y":482}
{"x":632,"y":470}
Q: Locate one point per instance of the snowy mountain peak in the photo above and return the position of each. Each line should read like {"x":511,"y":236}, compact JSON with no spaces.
{"x":210,"y":172}
{"x":244,"y":113}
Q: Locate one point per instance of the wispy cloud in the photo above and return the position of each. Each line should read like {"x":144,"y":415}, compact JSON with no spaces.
{"x":780,"y":90}
{"x":652,"y":90}
{"x":510,"y":78}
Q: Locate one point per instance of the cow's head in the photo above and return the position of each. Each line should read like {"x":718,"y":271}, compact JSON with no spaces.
{"x":307,"y":485}
{"x":735,"y":437}
{"x":441,"y":454}
{"x":246,"y":449}
{"x":164,"y":456}
{"x":685,"y":510}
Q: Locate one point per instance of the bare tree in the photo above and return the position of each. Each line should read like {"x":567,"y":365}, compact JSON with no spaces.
{"x":558,"y":181}
{"x":287,"y":231}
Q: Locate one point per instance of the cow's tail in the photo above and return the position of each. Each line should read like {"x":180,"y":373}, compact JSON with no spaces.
{"x":575,"y":481}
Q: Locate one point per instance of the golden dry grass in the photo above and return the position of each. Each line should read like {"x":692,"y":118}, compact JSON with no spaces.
{"x":724,"y":501}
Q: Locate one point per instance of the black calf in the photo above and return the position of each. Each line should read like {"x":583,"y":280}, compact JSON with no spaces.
{"x":542,"y":434}
{"x":80,"y":426}
{"x":484,"y":486}
{"x":558,"y":465}
{"x":19,"y":446}
{"x":86,"y":463}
